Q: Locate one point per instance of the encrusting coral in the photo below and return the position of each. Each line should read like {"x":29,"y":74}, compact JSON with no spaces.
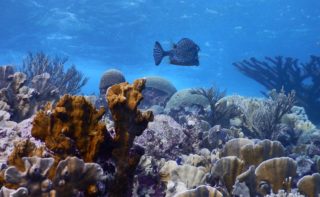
{"x":123,"y":100}
{"x":71,"y":128}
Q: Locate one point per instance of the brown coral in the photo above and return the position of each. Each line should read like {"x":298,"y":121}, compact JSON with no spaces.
{"x":277,"y":173}
{"x":227,"y":169}
{"x":310,"y":185}
{"x":72,"y":127}
{"x":23,"y":148}
{"x":254,"y":154}
{"x":233,"y":147}
{"x":123,"y":100}
{"x":73,"y":175}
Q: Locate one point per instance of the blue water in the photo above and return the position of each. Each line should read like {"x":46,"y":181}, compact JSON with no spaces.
{"x":98,"y":35}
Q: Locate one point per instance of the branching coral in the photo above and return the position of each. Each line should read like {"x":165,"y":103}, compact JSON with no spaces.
{"x":262,"y":117}
{"x":123,"y":100}
{"x":20,"y":98}
{"x":65,"y":82}
{"x":218,"y":111}
{"x":72,"y":127}
{"x":288,"y":73}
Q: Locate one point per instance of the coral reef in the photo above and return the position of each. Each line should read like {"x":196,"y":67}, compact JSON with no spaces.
{"x":288,"y":73}
{"x":73,"y":149}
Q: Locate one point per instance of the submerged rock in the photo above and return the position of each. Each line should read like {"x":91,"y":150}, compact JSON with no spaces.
{"x":164,"y":138}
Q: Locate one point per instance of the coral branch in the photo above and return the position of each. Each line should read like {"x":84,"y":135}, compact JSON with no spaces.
{"x":130,"y":122}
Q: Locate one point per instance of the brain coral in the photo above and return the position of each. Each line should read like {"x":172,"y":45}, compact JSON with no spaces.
{"x":184,"y":98}
{"x":157,"y":92}
{"x":161,"y":84}
{"x":109,"y":78}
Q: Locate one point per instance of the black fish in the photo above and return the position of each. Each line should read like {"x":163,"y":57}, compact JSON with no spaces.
{"x":184,"y":53}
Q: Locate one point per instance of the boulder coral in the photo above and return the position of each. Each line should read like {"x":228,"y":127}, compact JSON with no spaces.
{"x":109,"y":78}
{"x":185,"y":98}
{"x":158,"y":90}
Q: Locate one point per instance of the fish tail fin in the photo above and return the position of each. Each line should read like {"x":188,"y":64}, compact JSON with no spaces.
{"x":158,"y":53}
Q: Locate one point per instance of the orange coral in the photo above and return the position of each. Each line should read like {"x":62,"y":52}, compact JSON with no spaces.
{"x":23,"y":148}
{"x":71,"y":128}
{"x":123,"y":100}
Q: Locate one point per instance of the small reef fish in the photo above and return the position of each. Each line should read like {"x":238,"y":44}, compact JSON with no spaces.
{"x":184,"y":53}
